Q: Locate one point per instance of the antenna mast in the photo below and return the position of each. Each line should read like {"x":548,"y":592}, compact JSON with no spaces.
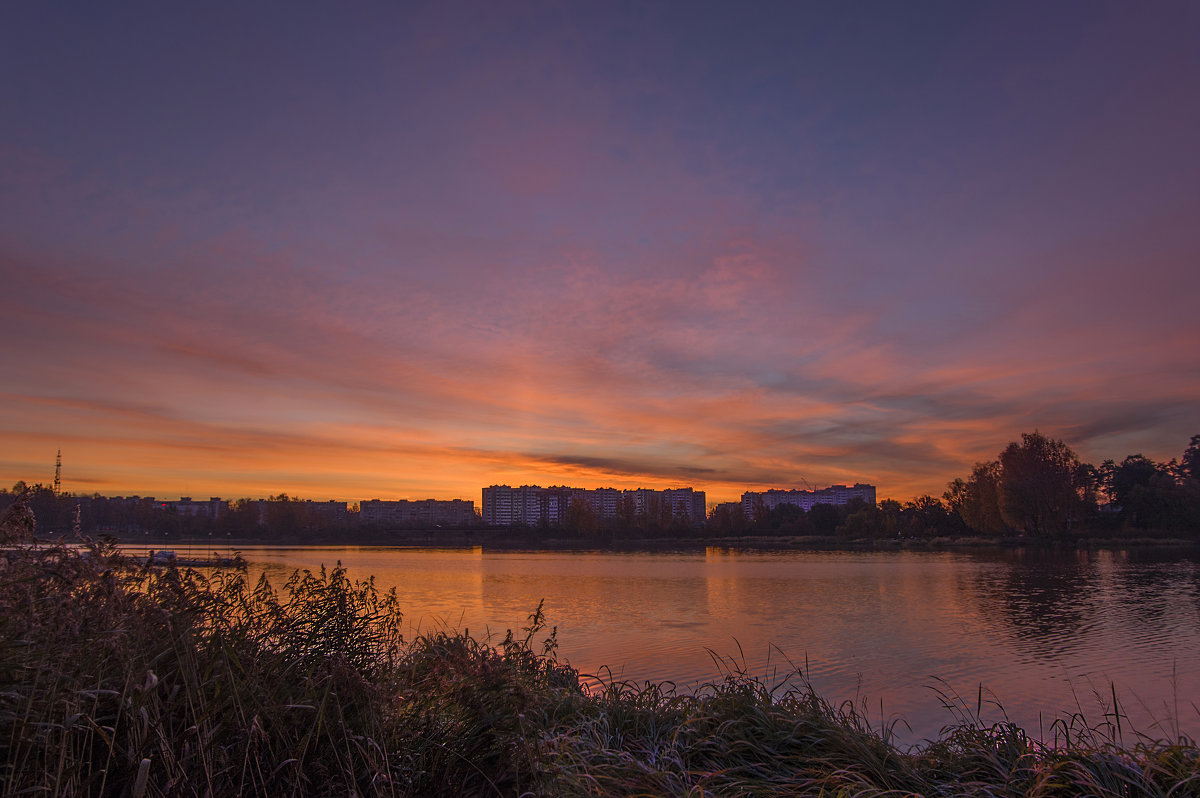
{"x":58,"y":473}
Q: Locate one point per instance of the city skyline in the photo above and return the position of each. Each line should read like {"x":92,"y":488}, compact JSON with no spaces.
{"x":336,"y":251}
{"x":190,"y":498}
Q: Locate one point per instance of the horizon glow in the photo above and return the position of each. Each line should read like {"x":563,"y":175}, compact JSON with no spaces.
{"x":412,"y":252}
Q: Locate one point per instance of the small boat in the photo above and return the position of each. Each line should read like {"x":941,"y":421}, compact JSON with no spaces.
{"x":165,"y":557}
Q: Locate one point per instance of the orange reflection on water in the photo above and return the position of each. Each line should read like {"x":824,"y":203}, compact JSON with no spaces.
{"x":1040,"y":633}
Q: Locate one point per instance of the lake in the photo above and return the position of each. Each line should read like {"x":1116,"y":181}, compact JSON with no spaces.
{"x":1044,"y":633}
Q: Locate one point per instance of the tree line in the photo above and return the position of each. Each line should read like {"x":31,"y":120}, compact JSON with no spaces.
{"x":279,"y":518}
{"x":1040,"y":488}
{"x":1035,"y":488}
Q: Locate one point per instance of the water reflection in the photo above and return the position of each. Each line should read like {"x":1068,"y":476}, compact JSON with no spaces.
{"x":1042,"y":598}
{"x":1045,"y":632}
{"x":1100,"y":605}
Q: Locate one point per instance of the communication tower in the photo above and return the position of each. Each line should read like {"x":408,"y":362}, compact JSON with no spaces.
{"x":58,"y":473}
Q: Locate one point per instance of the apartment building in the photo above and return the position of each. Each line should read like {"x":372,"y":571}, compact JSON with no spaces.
{"x":186,"y":506}
{"x":431,"y":512}
{"x":532,"y":505}
{"x":807,"y":499}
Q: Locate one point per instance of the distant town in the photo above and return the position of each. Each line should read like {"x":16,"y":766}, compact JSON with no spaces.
{"x":527,"y":505}
{"x":1036,"y":488}
{"x":530,"y":506}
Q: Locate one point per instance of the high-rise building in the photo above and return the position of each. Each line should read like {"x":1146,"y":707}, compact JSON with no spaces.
{"x":507,"y":506}
{"x":186,"y":506}
{"x":531,"y":505}
{"x":686,"y":503}
{"x":807,"y":499}
{"x":604,"y":502}
{"x":453,"y":512}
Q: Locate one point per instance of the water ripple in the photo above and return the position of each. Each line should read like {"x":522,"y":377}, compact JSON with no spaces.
{"x":1023,"y":635}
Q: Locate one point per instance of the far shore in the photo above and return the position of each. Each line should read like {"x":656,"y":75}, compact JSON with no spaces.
{"x":504,"y":539}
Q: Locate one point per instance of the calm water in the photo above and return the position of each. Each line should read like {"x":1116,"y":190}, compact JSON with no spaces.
{"x":1044,"y":633}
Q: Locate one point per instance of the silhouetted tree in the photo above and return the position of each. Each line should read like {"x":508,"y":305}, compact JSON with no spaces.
{"x":1189,"y":464}
{"x":17,"y":522}
{"x":977,"y":499}
{"x":626,"y":514}
{"x":824,"y":518}
{"x":1130,"y":488}
{"x":783,"y":519}
{"x":890,"y":517}
{"x":728,"y":520}
{"x":927,"y":516}
{"x":1151,"y":497}
{"x":580,"y":518}
{"x":54,"y":512}
{"x":666,"y":513}
{"x":241,"y":519}
{"x":1042,"y":487}
{"x":861,"y":522}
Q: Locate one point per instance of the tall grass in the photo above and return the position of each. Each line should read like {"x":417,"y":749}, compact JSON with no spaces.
{"x":128,"y":680}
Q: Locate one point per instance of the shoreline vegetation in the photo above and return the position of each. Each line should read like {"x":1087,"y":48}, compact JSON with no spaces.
{"x":440,"y":539}
{"x":1035,"y":493}
{"x":130,"y":679}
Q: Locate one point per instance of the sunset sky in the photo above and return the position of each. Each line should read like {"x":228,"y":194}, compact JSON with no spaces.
{"x":385,"y":250}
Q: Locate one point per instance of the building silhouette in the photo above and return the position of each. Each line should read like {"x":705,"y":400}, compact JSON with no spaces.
{"x":807,"y":499}
{"x":532,"y":505}
{"x":452,"y":512}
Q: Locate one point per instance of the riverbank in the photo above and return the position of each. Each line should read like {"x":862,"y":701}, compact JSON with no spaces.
{"x":124,"y":679}
{"x":505,"y":540}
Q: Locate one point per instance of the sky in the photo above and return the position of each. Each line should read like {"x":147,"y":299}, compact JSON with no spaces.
{"x":402,"y":250}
